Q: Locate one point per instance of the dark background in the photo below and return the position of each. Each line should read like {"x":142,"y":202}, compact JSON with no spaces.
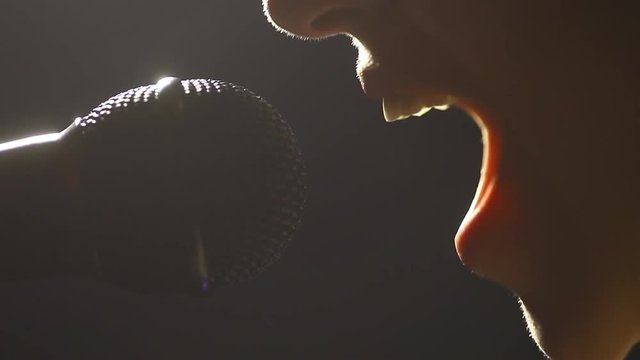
{"x":373,"y":273}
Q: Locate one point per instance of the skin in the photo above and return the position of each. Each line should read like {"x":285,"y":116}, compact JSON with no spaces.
{"x":553,"y":88}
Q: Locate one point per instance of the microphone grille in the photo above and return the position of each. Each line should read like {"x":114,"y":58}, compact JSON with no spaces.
{"x":188,"y":185}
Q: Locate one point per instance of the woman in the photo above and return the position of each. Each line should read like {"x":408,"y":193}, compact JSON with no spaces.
{"x":553,"y":88}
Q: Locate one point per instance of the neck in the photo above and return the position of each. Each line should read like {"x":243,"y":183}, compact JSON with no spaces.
{"x":599,"y":323}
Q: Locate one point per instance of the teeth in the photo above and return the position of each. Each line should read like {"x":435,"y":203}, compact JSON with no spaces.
{"x":401,"y":107}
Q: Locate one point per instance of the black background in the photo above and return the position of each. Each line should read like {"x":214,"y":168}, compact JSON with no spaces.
{"x":373,"y":272}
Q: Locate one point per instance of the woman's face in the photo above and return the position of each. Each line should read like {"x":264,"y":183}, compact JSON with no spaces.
{"x":554,"y":214}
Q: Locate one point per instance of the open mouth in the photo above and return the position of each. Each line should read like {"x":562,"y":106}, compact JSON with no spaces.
{"x":471,"y":235}
{"x":400,"y":102}
{"x":407,"y":94}
{"x":411,"y":84}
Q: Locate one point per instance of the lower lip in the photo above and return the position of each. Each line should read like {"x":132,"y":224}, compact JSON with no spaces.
{"x":479,"y":221}
{"x":474,"y":221}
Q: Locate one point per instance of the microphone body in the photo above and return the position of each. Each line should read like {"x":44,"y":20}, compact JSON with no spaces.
{"x":180,"y":186}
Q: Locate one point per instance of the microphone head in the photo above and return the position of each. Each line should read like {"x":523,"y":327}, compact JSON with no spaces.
{"x":186,"y":185}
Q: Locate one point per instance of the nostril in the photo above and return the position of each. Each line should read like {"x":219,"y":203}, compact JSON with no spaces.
{"x":333,"y":21}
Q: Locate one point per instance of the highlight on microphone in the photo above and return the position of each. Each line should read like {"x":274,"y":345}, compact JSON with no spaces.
{"x":179,"y":186}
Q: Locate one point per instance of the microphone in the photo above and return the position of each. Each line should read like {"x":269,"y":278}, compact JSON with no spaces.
{"x":177,"y":187}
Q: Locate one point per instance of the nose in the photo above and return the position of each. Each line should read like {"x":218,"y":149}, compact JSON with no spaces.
{"x":312,"y":18}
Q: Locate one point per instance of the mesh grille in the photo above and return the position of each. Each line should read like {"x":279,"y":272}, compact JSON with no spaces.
{"x":193,"y":186}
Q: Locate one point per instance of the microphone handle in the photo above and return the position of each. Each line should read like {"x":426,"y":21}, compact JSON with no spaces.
{"x":43,"y":227}
{"x":40,"y":231}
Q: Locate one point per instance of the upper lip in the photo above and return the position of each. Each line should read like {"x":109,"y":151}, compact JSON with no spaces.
{"x":394,"y":67}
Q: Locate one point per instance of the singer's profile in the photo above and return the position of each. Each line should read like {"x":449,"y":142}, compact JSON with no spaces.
{"x":553,"y":88}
